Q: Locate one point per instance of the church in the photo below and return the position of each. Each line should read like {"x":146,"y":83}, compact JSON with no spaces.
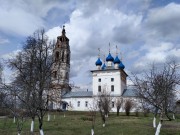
{"x":109,"y":76}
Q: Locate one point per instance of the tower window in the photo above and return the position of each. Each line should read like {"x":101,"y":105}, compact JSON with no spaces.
{"x":112,"y":88}
{"x":112,"y":79}
{"x":67,"y":61}
{"x":99,"y":104}
{"x":67,"y":75}
{"x":99,"y":80}
{"x":57,"y":56}
{"x":99,"y":88}
{"x":112,"y":104}
{"x":62,"y":58}
{"x":86,"y":104}
{"x":78,"y":103}
{"x":55,"y":74}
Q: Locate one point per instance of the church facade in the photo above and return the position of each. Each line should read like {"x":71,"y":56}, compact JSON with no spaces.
{"x":109,"y":76}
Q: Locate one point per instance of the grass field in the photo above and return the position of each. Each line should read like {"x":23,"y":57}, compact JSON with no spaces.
{"x":77,"y":123}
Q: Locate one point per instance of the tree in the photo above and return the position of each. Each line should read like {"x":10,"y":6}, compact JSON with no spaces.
{"x":157,"y":87}
{"x":33,"y":67}
{"x":128,"y":106}
{"x":119,"y":103}
{"x":145,"y":107}
{"x":12,"y":103}
{"x":93,"y":110}
{"x":104,"y":100}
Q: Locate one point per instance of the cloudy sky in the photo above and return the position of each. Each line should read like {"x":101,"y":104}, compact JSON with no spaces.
{"x":145,"y":31}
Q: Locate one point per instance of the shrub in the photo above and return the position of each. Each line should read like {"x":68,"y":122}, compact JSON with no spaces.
{"x":128,"y":107}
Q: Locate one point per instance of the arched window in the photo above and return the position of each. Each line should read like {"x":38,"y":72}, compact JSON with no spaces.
{"x":55,"y":74}
{"x":62,"y":58}
{"x":67,"y":74}
{"x":67,"y":61}
{"x":57,"y":56}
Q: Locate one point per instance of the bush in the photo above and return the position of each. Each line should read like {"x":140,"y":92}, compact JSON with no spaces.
{"x":128,"y":107}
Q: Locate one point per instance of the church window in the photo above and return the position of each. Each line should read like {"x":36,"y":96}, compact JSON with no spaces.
{"x":112,"y":79}
{"x":99,"y":104}
{"x":62,"y":58}
{"x":112,"y":88}
{"x":57,"y":56}
{"x":67,"y":61}
{"x":99,"y":80}
{"x":78,"y":103}
{"x":99,"y":88}
{"x":112,"y":104}
{"x":67,"y":74}
{"x":86,"y":104}
{"x":55,"y":74}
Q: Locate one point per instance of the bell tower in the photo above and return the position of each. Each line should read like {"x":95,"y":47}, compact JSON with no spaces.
{"x":61,"y":67}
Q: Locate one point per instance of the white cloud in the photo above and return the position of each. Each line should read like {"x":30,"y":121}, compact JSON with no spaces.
{"x":163,"y":22}
{"x":87,"y":34}
{"x":160,"y":53}
{"x":10,"y":55}
{"x":24,"y":17}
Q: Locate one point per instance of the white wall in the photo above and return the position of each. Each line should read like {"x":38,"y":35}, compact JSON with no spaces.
{"x":106,"y":81}
{"x":73,"y":103}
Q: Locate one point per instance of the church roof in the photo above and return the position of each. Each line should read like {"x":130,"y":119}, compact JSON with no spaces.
{"x":104,"y":66}
{"x":109,"y":58}
{"x":121,"y":65}
{"x":78,"y":94}
{"x":129,"y":93}
{"x":116,"y":60}
{"x":98,"y":62}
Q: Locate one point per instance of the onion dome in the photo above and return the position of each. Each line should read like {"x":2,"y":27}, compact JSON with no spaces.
{"x":116,"y":60}
{"x":121,"y":65}
{"x":98,"y":62}
{"x":104,"y":66}
{"x":109,"y":58}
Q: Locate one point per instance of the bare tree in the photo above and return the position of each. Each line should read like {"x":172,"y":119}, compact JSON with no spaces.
{"x":157,"y":87}
{"x":12,"y":103}
{"x":93,"y":110}
{"x":119,"y":103}
{"x":33,"y":68}
{"x":105,"y":106}
{"x":145,"y":107}
{"x":128,"y":106}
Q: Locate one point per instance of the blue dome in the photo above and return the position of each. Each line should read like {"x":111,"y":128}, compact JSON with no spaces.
{"x":109,"y":58}
{"x":104,"y":66}
{"x":98,"y":62}
{"x":121,"y":66}
{"x":116,"y":60}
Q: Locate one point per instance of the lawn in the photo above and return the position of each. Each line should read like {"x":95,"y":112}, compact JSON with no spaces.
{"x":78,"y":123}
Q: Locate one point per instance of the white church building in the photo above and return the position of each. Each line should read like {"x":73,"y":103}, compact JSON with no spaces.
{"x":108,"y":76}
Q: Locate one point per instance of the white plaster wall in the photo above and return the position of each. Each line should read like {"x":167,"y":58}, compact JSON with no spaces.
{"x":73,"y":102}
{"x":106,"y":81}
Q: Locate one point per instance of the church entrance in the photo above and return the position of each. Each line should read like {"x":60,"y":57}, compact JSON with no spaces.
{"x":64,"y":105}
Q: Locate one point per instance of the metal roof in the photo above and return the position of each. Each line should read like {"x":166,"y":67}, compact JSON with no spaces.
{"x":129,"y":93}
{"x":78,"y":94}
